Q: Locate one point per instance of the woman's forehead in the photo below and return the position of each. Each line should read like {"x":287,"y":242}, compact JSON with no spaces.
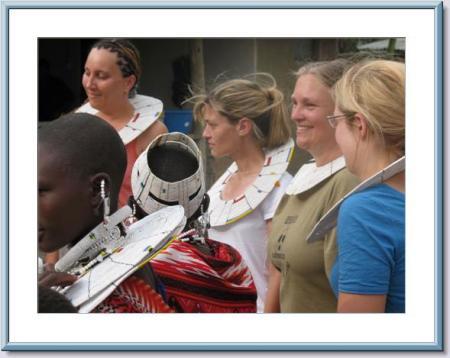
{"x":309,"y":86}
{"x":101,"y":58}
{"x":210,"y":114}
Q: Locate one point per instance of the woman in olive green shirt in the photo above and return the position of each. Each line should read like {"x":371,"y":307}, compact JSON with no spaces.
{"x":299,"y":270}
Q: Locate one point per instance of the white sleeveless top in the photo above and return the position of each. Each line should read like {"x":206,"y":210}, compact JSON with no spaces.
{"x":241,"y":222}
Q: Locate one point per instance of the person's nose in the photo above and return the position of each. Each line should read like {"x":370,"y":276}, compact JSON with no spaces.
{"x":206,"y":133}
{"x":90,"y":83}
{"x":297,"y":114}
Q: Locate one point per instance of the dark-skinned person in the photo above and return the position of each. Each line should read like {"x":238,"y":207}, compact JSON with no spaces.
{"x":50,"y":301}
{"x":81,"y":164}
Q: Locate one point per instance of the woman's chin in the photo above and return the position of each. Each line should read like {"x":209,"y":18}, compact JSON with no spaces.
{"x":302,"y":144}
{"x":95,"y":103}
{"x":213,"y":152}
{"x":216,"y":155}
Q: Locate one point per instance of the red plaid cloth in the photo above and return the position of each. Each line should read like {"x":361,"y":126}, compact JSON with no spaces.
{"x":197,"y":282}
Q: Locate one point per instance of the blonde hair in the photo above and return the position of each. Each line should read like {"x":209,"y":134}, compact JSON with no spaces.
{"x":376,"y":89}
{"x":260,"y":101}
{"x":327,"y":72}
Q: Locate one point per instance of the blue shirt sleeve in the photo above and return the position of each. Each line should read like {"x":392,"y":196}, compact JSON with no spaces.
{"x":365,"y":252}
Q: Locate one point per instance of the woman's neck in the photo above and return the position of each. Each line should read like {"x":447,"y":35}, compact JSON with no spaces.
{"x":397,"y":181}
{"x":119,"y":115}
{"x":378,"y":163}
{"x":370,"y":162}
{"x":327,"y":156}
{"x":249,"y":158}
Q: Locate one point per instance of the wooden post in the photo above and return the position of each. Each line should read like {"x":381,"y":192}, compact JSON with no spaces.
{"x":198,"y":86}
{"x":197,"y":65}
{"x":391,"y":46}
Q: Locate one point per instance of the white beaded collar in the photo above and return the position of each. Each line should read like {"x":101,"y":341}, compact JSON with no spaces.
{"x":310,"y":175}
{"x":146,"y":111}
{"x":328,"y":221}
{"x":101,"y":237}
{"x":143,"y":241}
{"x":223,"y":212}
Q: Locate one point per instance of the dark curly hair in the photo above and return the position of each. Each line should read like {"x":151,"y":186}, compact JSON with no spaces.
{"x":129,"y":60}
{"x":50,"y":301}
{"x":87,"y":145}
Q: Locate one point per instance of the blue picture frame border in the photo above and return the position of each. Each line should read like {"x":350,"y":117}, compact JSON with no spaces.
{"x":438,"y":345}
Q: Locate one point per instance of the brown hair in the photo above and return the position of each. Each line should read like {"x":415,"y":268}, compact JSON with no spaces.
{"x":327,"y":72}
{"x":260,"y":101}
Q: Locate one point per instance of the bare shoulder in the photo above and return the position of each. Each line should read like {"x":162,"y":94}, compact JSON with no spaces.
{"x":149,"y":134}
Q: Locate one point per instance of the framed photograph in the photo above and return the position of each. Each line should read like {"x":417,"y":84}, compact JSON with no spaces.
{"x":32,"y":32}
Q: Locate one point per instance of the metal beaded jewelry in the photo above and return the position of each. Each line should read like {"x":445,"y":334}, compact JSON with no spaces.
{"x":106,"y":207}
{"x":132,"y":218}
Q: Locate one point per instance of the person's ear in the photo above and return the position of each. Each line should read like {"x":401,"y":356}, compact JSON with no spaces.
{"x":130,"y":82}
{"x":360,"y":125}
{"x":100,"y":182}
{"x":244,"y":126}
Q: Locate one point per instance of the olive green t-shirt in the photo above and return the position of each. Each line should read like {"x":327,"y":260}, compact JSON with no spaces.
{"x":305,"y":266}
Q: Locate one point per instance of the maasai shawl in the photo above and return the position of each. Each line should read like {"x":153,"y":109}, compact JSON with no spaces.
{"x":198,"y":282}
{"x":133,"y":296}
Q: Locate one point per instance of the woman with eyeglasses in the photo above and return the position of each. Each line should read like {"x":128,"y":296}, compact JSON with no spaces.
{"x":369,"y":121}
{"x":246,"y":120}
{"x":299,"y":269}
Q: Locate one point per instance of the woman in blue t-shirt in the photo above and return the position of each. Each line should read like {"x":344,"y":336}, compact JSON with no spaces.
{"x":369,"y":122}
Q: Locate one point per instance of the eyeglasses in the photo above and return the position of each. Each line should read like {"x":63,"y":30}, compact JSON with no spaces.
{"x":332,"y":120}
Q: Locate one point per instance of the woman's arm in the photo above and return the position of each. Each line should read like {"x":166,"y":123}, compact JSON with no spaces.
{"x":272,"y":302}
{"x":148,"y":135}
{"x":365,"y":256}
{"x":268,"y":227}
{"x":353,"y":303}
